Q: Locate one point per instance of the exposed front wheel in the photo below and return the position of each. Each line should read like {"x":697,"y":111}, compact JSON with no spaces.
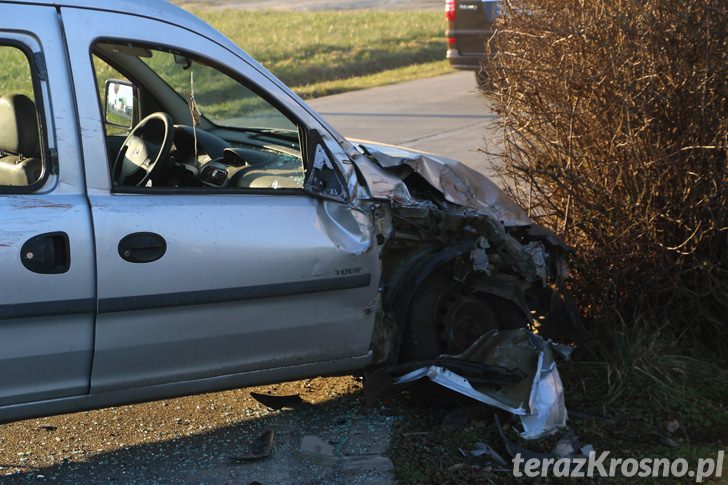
{"x":446,"y":317}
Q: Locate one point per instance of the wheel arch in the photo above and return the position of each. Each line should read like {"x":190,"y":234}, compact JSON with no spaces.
{"x":399,"y":297}
{"x":401,"y":292}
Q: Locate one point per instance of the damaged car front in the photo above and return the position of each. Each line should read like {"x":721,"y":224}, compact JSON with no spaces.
{"x":459,"y":257}
{"x":471,"y":287}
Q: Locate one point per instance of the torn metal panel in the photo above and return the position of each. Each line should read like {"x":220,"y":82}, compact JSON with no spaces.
{"x":544,"y":398}
{"x":548,"y":409}
{"x":454,"y":382}
{"x":475,"y":373}
{"x":538,"y":255}
{"x":383,"y":185}
{"x":538,"y":399}
{"x":457,"y":182}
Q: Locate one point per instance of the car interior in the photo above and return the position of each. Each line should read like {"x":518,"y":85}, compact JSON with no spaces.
{"x":174,"y":121}
{"x":21,"y":164}
{"x":20,"y":160}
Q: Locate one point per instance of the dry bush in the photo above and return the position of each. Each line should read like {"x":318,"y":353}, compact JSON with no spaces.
{"x":615,"y":121}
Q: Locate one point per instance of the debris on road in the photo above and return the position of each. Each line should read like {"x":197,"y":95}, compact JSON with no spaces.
{"x":146,"y":444}
{"x":262,"y":448}
{"x":318,"y":450}
{"x":483,"y":449}
{"x":568,"y":447}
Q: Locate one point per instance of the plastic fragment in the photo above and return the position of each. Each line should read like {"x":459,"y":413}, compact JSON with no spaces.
{"x":318,"y":450}
{"x":262,"y":448}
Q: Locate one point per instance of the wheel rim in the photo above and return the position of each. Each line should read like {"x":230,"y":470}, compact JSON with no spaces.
{"x":462,"y":317}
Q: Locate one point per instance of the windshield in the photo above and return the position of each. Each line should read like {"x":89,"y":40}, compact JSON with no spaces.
{"x":218,"y":97}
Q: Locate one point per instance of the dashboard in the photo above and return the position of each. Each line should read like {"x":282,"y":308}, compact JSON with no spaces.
{"x":256,"y":159}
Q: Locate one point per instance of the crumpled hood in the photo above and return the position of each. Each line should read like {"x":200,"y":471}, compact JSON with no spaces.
{"x":458,"y":183}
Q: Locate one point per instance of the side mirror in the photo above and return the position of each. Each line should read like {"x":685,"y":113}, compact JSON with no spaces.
{"x":121,"y":102}
{"x":323,"y":178}
{"x":183,"y":61}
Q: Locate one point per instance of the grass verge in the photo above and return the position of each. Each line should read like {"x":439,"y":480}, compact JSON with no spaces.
{"x":320,"y":53}
{"x":316,"y":53}
{"x":407,"y":73}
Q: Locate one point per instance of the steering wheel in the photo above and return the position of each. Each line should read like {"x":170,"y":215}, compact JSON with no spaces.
{"x":145,"y":152}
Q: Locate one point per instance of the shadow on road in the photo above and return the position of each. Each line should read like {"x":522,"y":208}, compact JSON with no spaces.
{"x":209,"y":455}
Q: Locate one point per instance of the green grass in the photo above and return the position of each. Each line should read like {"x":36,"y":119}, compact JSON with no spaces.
{"x":316,"y":53}
{"x":319,"y":53}
{"x":15,"y":72}
{"x":401,"y":74}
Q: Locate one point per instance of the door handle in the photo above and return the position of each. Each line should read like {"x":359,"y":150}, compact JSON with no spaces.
{"x":142,"y":247}
{"x":48,"y":253}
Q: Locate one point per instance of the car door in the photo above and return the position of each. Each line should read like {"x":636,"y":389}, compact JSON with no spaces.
{"x":249,"y":286}
{"x":47,"y":283}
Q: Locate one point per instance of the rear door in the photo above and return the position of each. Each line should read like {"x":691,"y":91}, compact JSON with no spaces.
{"x":251,"y":286}
{"x":474,"y":23}
{"x":47,"y":284}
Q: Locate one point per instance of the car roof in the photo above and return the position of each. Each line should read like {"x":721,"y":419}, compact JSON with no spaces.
{"x":155,"y":9}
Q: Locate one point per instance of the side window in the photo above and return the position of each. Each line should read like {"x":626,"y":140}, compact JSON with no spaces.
{"x":198,"y":127}
{"x":21,"y":160}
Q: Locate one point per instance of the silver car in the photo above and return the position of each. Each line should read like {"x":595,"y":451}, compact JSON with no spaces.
{"x":174,"y":220}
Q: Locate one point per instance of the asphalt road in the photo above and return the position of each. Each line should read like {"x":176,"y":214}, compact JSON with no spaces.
{"x":445,"y":115}
{"x":201,"y":439}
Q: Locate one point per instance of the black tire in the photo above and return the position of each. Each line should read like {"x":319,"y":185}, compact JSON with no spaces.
{"x":482,"y":81}
{"x":439,"y":303}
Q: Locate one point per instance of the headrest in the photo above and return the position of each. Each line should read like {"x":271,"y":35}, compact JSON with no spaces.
{"x":18,"y":126}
